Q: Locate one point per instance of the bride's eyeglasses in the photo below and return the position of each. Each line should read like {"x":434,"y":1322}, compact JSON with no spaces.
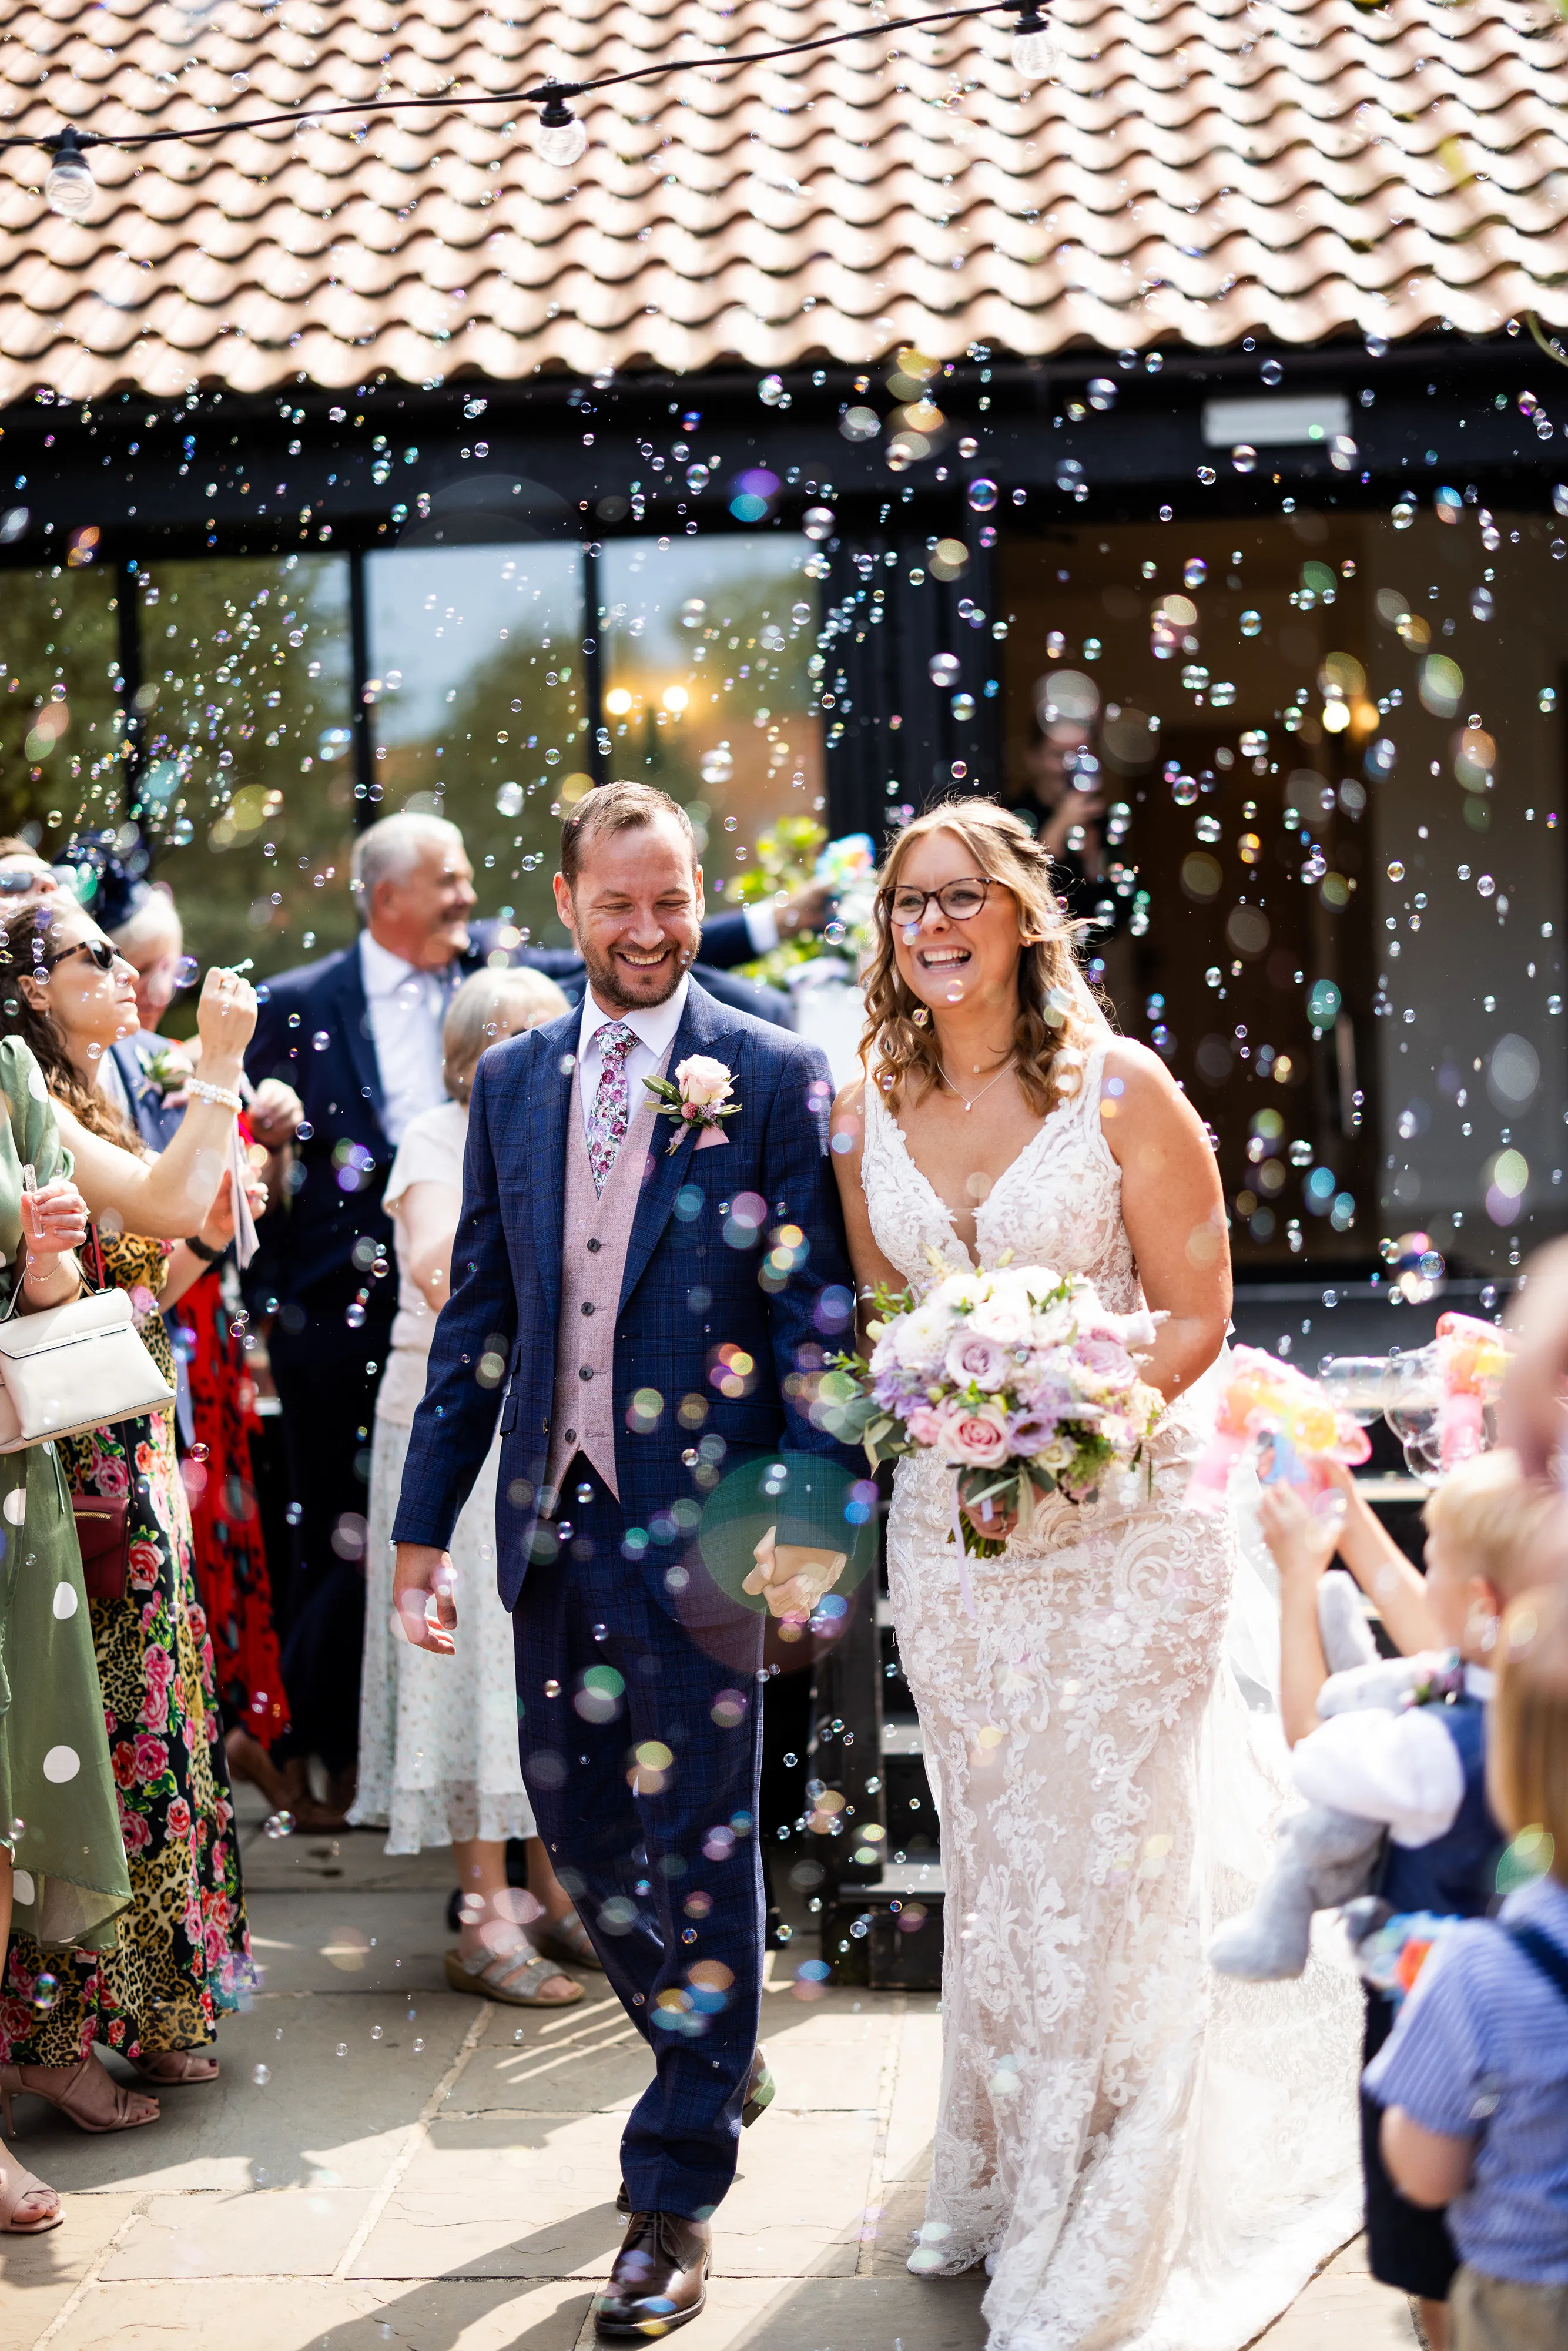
{"x":960,"y":901}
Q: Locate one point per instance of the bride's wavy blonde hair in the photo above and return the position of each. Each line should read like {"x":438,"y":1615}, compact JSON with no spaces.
{"x":1056,"y":1018}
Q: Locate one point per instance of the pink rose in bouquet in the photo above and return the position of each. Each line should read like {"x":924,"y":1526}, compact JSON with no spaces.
{"x":1016,"y":1377}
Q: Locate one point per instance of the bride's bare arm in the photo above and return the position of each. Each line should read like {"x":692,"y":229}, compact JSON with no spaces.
{"x":848,"y":1130}
{"x":1174,"y":1210}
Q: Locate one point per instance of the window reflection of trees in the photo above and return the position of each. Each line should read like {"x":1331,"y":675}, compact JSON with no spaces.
{"x":247,"y":791}
{"x":480,"y":705}
{"x":708,"y":690}
{"x":60,"y":727}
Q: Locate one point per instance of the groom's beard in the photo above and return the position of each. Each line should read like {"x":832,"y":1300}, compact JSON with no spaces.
{"x":622,"y":986}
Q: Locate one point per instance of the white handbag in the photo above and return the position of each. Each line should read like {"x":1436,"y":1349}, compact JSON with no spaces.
{"x":68,"y":1369}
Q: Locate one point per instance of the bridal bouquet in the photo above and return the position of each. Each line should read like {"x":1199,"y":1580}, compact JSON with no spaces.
{"x":1018,"y":1378}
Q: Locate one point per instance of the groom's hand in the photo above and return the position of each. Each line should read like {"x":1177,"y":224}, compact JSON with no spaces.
{"x":420,"y":1573}
{"x":792,"y":1577}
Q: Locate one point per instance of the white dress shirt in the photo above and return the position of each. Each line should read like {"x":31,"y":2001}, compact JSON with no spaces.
{"x":407,"y":1007}
{"x":762,"y":926}
{"x":653,"y":1026}
{"x":1402,"y":1769}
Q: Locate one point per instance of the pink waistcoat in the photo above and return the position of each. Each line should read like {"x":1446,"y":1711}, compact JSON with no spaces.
{"x":596,"y":1232}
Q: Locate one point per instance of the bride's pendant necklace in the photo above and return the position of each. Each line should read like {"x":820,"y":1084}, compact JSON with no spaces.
{"x":985,"y":1089}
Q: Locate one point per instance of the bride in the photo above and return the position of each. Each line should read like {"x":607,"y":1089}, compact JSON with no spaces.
{"x":1142,"y":2154}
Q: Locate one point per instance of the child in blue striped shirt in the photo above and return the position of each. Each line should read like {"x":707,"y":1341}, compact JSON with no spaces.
{"x":1474,"y":2079}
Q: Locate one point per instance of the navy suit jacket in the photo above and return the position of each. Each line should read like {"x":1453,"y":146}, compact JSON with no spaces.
{"x":313,"y":1029}
{"x":691,"y":1285}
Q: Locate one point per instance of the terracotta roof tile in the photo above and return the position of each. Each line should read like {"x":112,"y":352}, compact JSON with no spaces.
{"x":1293,"y":168}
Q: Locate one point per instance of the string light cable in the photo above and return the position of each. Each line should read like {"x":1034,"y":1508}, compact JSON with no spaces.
{"x":560,"y":137}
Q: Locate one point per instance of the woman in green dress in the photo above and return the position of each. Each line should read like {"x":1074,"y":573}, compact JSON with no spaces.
{"x":182,"y":1960}
{"x":62,"y":1864}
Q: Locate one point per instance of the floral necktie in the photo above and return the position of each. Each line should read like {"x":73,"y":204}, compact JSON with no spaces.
{"x":611,"y":1112}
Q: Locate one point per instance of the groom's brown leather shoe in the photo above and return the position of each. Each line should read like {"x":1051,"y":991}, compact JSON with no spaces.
{"x":660,"y":2277}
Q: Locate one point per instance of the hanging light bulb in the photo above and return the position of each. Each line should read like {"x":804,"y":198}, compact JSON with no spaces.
{"x":560,"y":136}
{"x":69,"y":186}
{"x":1034,"y":51}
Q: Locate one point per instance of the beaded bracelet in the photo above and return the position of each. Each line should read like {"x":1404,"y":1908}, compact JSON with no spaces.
{"x":224,"y":1096}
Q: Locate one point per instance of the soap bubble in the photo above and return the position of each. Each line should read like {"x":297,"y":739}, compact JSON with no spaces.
{"x":278,"y":1824}
{"x":509,"y":799}
{"x":982,"y":494}
{"x":1396,"y":872}
{"x":943,"y":669}
{"x":45,"y":1992}
{"x":261,"y":2076}
{"x":1244,"y":457}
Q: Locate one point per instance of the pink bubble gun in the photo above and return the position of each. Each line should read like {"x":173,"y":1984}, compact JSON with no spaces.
{"x":1266,"y":1401}
{"x":1472,"y":1361}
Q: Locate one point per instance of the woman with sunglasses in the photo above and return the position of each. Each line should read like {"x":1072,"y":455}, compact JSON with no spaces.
{"x":1136,"y":2153}
{"x":161,"y":1220}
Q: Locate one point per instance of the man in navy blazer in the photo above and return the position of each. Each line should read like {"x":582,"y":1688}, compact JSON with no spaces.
{"x":358,"y":1036}
{"x":637,"y":1676}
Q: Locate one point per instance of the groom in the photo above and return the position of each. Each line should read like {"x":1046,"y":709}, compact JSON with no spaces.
{"x":644,"y":1299}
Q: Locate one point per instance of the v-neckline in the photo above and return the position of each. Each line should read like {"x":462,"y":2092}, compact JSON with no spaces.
{"x":1047,"y":1126}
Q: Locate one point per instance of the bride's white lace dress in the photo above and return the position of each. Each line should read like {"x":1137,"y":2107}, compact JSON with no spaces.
{"x":1146,"y":2154}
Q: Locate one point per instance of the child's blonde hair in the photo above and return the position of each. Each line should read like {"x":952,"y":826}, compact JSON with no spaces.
{"x":1526,"y":1740}
{"x":1490,"y":1517}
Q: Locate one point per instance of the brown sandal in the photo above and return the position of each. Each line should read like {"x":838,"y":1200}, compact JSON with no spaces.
{"x":567,"y":1939}
{"x":65,"y":2102}
{"x":170,"y":2068}
{"x":516,"y":1977}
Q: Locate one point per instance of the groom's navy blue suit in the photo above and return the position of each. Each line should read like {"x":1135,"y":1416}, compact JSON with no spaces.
{"x":668,"y":1877}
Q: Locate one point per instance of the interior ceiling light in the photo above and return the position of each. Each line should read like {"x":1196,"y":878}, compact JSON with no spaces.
{"x":560,"y":137}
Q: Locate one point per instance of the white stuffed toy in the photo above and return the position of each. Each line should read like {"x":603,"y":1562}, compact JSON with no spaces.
{"x":1327,"y":1857}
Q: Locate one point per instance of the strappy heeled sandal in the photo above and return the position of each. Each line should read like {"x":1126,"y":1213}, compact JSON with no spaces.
{"x":567,"y":1939}
{"x":12,"y":2085}
{"x":514,"y":1977}
{"x":151,"y":2068}
{"x":15,"y":2187}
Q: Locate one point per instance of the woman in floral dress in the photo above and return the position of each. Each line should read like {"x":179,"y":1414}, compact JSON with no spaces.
{"x":183,"y":1954}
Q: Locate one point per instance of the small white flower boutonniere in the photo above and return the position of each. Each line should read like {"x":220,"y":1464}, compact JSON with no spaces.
{"x":699,"y":1098}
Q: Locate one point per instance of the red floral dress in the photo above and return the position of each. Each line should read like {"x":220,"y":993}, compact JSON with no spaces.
{"x":183,"y":1957}
{"x":231,"y":1559}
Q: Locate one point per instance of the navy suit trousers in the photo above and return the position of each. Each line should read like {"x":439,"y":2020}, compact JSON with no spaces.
{"x":667,"y":1876}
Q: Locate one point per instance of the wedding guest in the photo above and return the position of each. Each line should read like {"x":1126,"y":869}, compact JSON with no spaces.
{"x":23,"y":873}
{"x":1422,"y":1770}
{"x":182,"y":1958}
{"x":438,"y":1735}
{"x":62,"y":1862}
{"x":359,"y":1034}
{"x":1473,"y":2082}
{"x":216,"y":1413}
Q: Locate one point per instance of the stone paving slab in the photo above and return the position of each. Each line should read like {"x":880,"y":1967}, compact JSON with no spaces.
{"x":288,"y":2315}
{"x":1345,"y":2309}
{"x":458,"y":2196}
{"x":38,"y":2276}
{"x":319,"y":2120}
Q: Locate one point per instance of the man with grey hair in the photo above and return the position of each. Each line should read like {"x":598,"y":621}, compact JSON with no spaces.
{"x":357,"y":1035}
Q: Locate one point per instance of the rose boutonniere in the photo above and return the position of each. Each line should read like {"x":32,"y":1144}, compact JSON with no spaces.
{"x":166,"y":1070}
{"x":699,"y":1097}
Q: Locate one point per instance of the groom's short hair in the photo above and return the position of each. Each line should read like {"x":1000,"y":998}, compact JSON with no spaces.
{"x":616,"y":808}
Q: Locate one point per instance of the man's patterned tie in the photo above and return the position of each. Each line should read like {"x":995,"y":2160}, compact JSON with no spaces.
{"x":611,"y":1112}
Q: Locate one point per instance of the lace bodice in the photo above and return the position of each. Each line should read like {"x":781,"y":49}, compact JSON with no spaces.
{"x":1059,"y":1204}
